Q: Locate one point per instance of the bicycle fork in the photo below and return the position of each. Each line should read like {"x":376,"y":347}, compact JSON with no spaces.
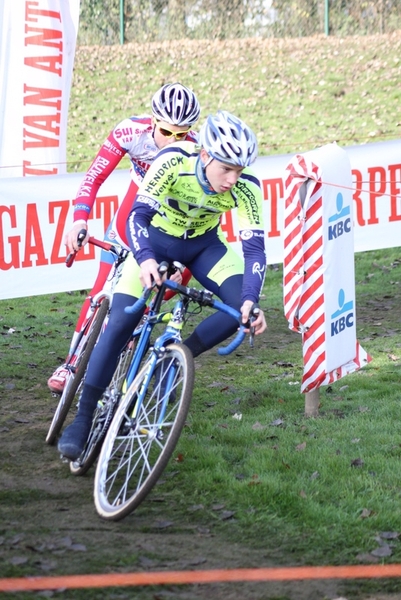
{"x":172,"y":334}
{"x":94,"y":305}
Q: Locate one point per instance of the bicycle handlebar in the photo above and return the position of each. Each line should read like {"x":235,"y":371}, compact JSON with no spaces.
{"x":138,"y":304}
{"x":92,"y":240}
{"x":204,"y":298}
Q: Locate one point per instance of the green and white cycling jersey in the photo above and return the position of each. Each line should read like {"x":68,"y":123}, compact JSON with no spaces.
{"x":171,"y":199}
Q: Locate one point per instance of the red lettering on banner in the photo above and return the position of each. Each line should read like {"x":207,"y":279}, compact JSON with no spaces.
{"x":13,"y":240}
{"x":64,"y":206}
{"x":30,"y":12}
{"x":43,"y":36}
{"x":47,"y":63}
{"x":48,"y":123}
{"x":394,"y":191}
{"x":375,"y":193}
{"x":41,"y":141}
{"x":226,"y":224}
{"x":44,"y":122}
{"x":41,"y":97}
{"x":106,"y":206}
{"x":276,"y":188}
{"x":357,"y":196}
{"x":88,"y":253}
{"x":27,"y":169}
{"x":33,"y":239}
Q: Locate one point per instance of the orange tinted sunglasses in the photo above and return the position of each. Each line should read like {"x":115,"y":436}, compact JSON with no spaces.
{"x":179,"y":135}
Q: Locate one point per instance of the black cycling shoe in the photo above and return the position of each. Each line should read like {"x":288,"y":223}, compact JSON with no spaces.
{"x":72,"y":442}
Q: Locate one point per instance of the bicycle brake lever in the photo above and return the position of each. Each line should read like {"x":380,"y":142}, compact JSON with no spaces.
{"x":163,"y":268}
{"x":179,"y":266}
{"x":253,"y":314}
{"x":80,"y":239}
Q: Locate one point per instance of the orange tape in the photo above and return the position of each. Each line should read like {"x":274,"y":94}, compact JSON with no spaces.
{"x":191,"y":577}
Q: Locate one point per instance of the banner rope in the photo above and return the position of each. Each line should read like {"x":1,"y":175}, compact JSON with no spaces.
{"x":388,"y":138}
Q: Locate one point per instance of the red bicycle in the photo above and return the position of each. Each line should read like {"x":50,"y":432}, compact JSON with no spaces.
{"x":92,"y":327}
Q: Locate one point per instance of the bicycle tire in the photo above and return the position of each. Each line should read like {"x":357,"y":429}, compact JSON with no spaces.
{"x":104,"y":412}
{"x":75,"y":379}
{"x":135,"y":452}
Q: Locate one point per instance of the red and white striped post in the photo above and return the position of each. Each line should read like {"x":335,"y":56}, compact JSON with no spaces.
{"x":319,"y":280}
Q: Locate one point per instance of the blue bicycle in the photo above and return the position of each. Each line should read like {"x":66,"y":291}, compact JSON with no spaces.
{"x":152,"y":412}
{"x":126,"y":370}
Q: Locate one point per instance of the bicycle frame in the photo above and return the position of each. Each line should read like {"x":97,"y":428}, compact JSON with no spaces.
{"x":171,"y":334}
{"x":107,"y":292}
{"x":96,"y":300}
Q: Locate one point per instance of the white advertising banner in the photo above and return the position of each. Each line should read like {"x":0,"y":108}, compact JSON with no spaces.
{"x":35,"y":212}
{"x":37,"y":49}
{"x":338,"y":255}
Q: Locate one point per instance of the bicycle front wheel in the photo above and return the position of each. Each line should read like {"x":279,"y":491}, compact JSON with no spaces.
{"x":73,"y":385}
{"x":143,"y":434}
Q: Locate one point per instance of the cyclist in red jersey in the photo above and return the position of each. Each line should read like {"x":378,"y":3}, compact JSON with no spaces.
{"x":175,"y":109}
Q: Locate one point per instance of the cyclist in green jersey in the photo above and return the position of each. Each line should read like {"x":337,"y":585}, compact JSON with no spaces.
{"x":176,"y":216}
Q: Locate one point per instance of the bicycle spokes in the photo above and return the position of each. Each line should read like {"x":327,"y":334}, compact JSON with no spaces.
{"x":146,"y":432}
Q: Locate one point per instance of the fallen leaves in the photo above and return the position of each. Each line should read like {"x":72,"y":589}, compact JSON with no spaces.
{"x":246,"y":77}
{"x":224,"y":515}
{"x":55,"y":547}
{"x":383,"y":550}
{"x":195,"y":508}
{"x":162,"y":524}
{"x":365,"y":513}
{"x":357,"y":462}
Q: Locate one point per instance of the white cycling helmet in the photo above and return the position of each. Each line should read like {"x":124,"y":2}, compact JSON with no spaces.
{"x":176,"y":104}
{"x":228,"y":139}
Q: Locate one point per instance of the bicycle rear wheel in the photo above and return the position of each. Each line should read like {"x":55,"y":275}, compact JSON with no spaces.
{"x":139,"y":443}
{"x":74,"y":383}
{"x":104,"y":413}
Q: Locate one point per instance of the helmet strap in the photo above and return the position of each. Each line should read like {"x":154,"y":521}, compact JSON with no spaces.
{"x":200,"y":172}
{"x":153,"y":123}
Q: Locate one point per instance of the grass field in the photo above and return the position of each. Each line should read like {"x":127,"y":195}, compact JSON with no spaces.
{"x":295,"y":93}
{"x":270,"y":488}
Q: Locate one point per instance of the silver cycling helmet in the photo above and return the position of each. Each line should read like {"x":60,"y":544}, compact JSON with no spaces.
{"x":228,"y":139}
{"x":176,"y":104}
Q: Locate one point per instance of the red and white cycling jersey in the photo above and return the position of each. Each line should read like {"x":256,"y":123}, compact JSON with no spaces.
{"x":132,"y":136}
